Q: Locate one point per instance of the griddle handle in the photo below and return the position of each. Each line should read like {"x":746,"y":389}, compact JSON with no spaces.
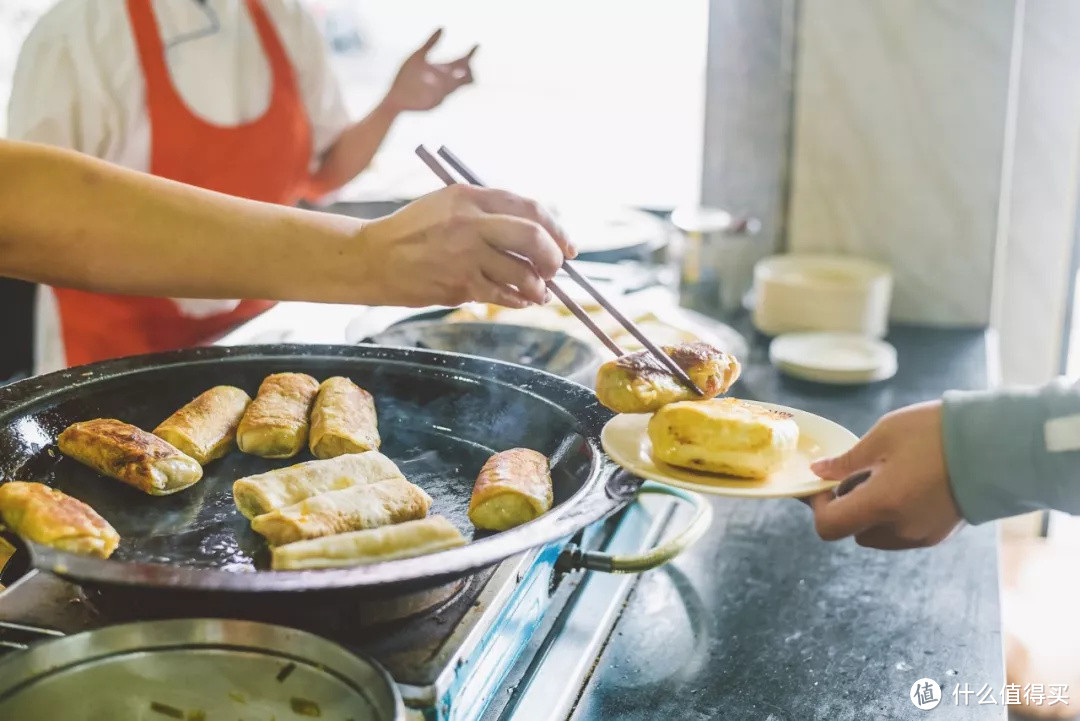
{"x":574,"y":558}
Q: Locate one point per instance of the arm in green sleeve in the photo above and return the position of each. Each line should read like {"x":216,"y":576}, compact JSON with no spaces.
{"x":1010,"y":452}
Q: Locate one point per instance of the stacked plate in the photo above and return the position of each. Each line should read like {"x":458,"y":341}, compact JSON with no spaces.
{"x":835,"y":358}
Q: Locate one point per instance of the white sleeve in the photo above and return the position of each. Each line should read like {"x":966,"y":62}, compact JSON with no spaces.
{"x":318,"y":84}
{"x":44,"y":103}
{"x":78,"y":84}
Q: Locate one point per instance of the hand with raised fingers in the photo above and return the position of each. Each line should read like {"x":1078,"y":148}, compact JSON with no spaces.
{"x":423,"y":85}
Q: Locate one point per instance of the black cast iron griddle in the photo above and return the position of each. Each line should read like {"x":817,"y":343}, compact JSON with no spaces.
{"x":441,"y":415}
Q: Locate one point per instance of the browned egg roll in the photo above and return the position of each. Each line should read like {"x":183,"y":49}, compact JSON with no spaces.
{"x":638,"y":383}
{"x":355,"y":548}
{"x":513,"y":487}
{"x":349,"y":509}
{"x":723,"y":435}
{"x":50,"y":517}
{"x":130,"y":455}
{"x":343,"y":420}
{"x":205,"y":428}
{"x":275,"y":424}
{"x":256,"y":495}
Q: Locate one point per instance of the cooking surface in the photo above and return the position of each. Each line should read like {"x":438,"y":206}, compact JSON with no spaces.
{"x":201,"y":526}
{"x":440,"y":418}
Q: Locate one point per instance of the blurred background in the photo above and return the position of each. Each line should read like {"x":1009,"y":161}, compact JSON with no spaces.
{"x":603,"y":101}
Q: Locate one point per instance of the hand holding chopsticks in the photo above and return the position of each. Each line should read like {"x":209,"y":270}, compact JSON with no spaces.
{"x":571,"y":305}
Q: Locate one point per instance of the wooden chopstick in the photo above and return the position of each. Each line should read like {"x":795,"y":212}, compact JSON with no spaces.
{"x":664,"y":359}
{"x":579,"y":312}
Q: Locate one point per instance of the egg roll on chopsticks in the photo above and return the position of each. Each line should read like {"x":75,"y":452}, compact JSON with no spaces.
{"x":205,"y":428}
{"x":265,"y":492}
{"x":275,"y":424}
{"x":343,"y":419}
{"x":638,"y":383}
{"x":349,"y":509}
{"x":130,"y":455}
{"x":52,"y":518}
{"x":513,"y":487}
{"x":355,"y":548}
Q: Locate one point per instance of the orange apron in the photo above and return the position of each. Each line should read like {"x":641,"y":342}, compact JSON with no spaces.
{"x":265,"y":159}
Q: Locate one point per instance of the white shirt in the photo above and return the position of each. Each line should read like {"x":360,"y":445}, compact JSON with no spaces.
{"x":78,"y":84}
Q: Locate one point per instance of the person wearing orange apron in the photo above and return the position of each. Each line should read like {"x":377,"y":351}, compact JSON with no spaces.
{"x":234,"y":96}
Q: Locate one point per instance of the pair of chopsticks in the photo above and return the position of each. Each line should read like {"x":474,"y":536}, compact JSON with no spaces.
{"x":663,"y":358}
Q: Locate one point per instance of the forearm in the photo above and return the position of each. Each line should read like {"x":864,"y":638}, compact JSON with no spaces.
{"x":352,"y":152}
{"x":71,"y":220}
{"x":1012,"y":452}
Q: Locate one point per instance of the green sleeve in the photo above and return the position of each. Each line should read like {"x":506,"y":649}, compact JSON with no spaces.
{"x":1014,"y":451}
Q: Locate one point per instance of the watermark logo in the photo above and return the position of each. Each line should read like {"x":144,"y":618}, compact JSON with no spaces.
{"x":925,"y":694}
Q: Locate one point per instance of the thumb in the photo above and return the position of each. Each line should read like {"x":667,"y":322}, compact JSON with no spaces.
{"x":858,"y":457}
{"x":424,"y":49}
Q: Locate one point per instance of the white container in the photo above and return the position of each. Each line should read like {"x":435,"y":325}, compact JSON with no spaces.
{"x":821,"y":293}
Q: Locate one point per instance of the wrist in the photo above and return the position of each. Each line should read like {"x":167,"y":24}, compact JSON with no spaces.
{"x":388,"y":109}
{"x":363,"y":275}
{"x":347,"y":271}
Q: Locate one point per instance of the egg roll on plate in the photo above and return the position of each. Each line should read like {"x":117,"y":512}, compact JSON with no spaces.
{"x":205,"y":428}
{"x":343,"y":420}
{"x":275,"y":424}
{"x":723,"y":435}
{"x":355,"y":548}
{"x":50,"y":517}
{"x":130,"y":455}
{"x":256,"y":495}
{"x":513,"y":487}
{"x":350,"y":509}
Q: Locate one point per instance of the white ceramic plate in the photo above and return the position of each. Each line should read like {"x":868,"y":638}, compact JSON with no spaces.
{"x":838,"y":358}
{"x":625,"y":438}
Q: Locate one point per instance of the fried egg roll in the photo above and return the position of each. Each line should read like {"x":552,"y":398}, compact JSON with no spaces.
{"x":256,"y":495}
{"x":349,"y":509}
{"x":513,"y":487}
{"x":343,"y":419}
{"x":205,"y":428}
{"x":723,"y":435}
{"x":50,"y":517}
{"x":355,"y":548}
{"x":130,"y":455}
{"x":638,"y":383}
{"x":275,"y":424}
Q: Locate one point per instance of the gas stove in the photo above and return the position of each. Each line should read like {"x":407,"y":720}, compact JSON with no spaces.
{"x":515,"y":642}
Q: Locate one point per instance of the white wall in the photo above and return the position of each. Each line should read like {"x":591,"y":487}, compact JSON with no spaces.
{"x":900,"y":118}
{"x":1042,"y":204}
{"x":943,"y":137}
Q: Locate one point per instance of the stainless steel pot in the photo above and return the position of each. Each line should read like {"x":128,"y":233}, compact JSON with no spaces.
{"x":194,"y":670}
